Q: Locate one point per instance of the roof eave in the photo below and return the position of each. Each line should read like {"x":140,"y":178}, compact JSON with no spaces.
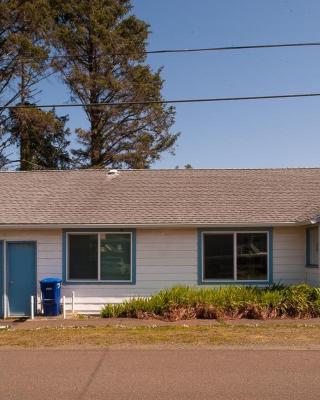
{"x":154,"y":225}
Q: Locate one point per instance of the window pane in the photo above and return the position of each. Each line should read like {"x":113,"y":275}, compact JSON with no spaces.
{"x":313,"y":247}
{"x":218,"y":256}
{"x":252,"y":256}
{"x":83,"y":256}
{"x":115,"y":257}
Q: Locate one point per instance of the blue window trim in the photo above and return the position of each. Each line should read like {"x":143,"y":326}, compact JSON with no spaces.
{"x":308,"y":264}
{"x":269,"y":281}
{"x":92,"y":230}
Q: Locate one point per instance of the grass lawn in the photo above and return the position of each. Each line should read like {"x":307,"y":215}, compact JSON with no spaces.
{"x":273,"y":334}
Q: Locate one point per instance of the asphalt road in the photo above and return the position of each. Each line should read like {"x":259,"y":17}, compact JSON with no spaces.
{"x":159,"y":374}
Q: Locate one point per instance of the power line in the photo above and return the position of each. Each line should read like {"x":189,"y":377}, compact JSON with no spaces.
{"x":176,"y":101}
{"x":248,"y":47}
{"x":185,"y":50}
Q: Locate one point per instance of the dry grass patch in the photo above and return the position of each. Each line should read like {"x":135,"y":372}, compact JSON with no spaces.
{"x":222,"y":334}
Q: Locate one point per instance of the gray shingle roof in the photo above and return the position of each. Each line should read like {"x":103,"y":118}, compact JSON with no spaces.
{"x":165,"y":197}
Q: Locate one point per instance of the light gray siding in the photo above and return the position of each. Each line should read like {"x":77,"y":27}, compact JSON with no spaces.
{"x":289,"y":255}
{"x":165,"y":258}
{"x":49,"y":248}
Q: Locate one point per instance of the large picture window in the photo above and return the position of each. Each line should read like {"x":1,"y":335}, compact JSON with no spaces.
{"x":235,"y":256}
{"x":101,"y":256}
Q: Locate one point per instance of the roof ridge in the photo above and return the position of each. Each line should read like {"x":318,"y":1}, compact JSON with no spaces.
{"x":158,"y":170}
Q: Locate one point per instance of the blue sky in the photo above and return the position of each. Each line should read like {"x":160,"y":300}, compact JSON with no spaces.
{"x":273,"y":133}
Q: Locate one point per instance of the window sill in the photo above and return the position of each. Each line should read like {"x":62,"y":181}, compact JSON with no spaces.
{"x":231,"y":282}
{"x":312,"y":266}
{"x":83,"y":282}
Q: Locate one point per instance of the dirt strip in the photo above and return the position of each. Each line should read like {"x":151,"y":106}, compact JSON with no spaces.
{"x":41,"y":322}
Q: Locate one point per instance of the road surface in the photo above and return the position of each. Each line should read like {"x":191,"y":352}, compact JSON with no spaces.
{"x":159,"y":374}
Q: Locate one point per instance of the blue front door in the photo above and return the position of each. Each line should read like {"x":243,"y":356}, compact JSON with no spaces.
{"x":1,"y":280}
{"x":21,"y":273}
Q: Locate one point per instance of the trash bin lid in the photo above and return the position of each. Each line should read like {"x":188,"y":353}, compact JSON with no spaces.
{"x":51,"y":280}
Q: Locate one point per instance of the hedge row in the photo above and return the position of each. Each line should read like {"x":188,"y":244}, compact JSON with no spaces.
{"x":178,"y":303}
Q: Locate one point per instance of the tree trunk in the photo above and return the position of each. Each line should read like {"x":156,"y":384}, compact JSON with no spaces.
{"x":96,"y":147}
{"x":25,"y":153}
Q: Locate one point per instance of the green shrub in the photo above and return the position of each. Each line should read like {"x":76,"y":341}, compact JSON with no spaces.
{"x":182,"y":302}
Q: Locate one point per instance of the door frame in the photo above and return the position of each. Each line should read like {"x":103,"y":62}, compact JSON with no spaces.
{"x":7,"y":243}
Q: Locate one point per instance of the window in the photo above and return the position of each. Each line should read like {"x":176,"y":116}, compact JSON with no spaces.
{"x":236,"y":256}
{"x":115,"y":254}
{"x":313,"y":247}
{"x":83,"y":257}
{"x":99,"y":256}
{"x":218,"y":256}
{"x":252,"y":256}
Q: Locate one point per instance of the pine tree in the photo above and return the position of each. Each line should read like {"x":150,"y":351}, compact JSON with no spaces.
{"x":25,"y":47}
{"x":104,"y":47}
{"x":23,"y":57}
{"x":5,"y":144}
{"x":41,"y":138}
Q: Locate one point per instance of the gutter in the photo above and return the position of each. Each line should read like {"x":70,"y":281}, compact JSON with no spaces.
{"x":157,"y":226}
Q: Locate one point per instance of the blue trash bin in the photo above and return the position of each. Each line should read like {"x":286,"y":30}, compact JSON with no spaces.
{"x":51,"y":296}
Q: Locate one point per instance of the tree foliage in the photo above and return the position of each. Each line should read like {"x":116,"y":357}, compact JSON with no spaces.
{"x":25,"y":31}
{"x":101,"y":47}
{"x":24,"y":46}
{"x":41,"y":137}
{"x":104,"y":45}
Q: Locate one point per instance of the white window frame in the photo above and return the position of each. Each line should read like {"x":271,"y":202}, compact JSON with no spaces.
{"x":235,"y":272}
{"x":99,"y":280}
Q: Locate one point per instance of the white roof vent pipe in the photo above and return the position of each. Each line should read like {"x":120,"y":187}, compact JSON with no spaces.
{"x":113,"y":172}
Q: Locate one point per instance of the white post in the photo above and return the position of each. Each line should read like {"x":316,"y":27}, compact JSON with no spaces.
{"x":32,"y":307}
{"x":73,"y":301}
{"x":64,"y":306}
{"x":41,"y":303}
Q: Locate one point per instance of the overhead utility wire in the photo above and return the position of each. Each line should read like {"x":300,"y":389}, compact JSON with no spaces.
{"x":192,"y":50}
{"x":248,"y":47}
{"x":176,"y":101}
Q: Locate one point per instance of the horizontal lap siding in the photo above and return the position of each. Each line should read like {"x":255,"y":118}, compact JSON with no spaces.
{"x":169,"y":257}
{"x":164,"y":258}
{"x":289,"y":252}
{"x":49,"y":249}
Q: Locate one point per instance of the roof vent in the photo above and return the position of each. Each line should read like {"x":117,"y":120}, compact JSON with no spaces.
{"x":113,"y":172}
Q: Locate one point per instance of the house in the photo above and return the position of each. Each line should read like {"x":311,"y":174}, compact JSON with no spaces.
{"x":111,"y":235}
